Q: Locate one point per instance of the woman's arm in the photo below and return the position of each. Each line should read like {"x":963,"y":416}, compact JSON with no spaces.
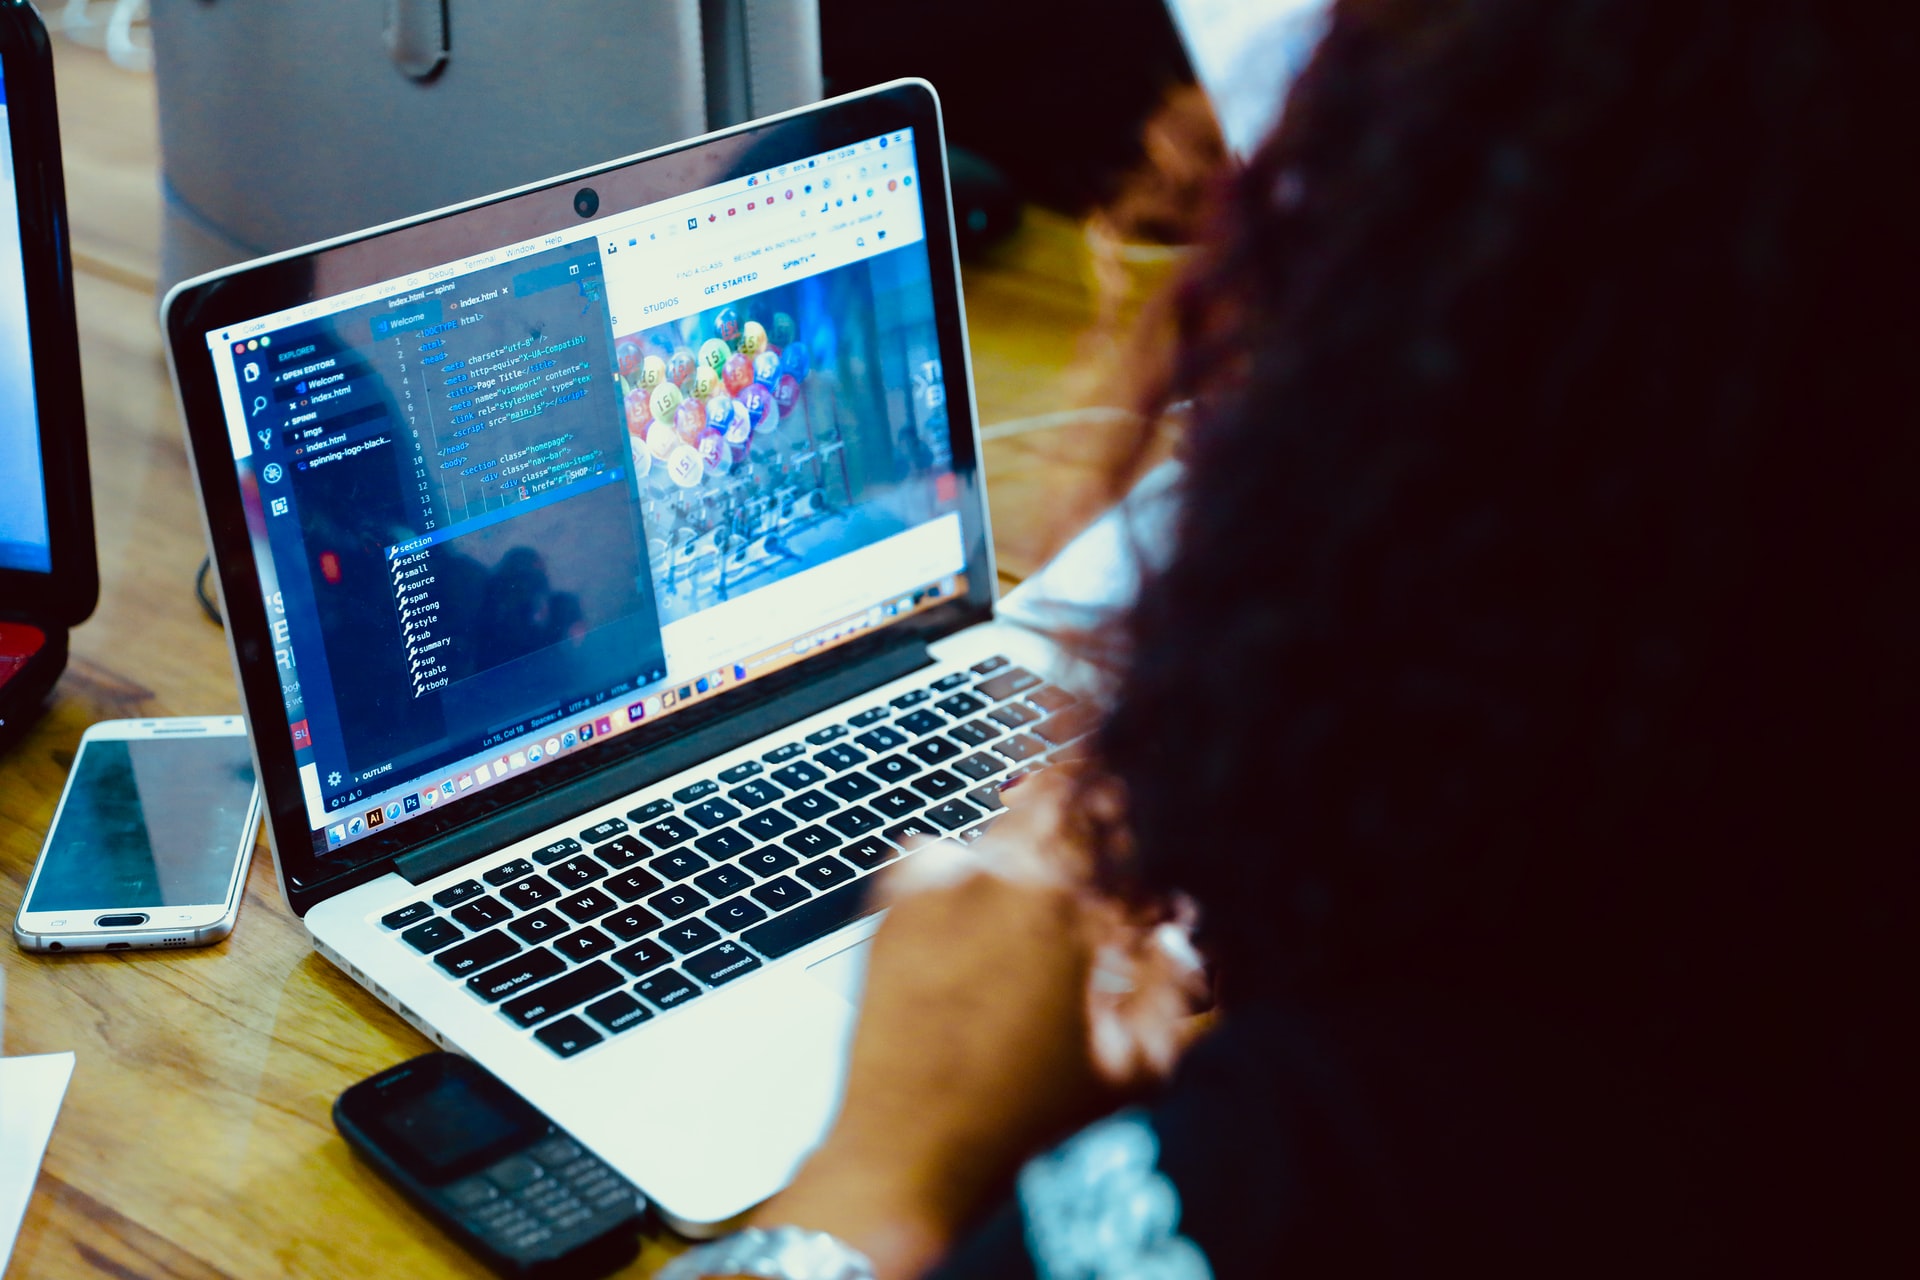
{"x":971,"y":1054}
{"x":972,"y":1050}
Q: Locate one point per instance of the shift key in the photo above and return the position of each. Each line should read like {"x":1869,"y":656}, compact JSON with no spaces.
{"x":795,"y":928}
{"x":578,"y":987}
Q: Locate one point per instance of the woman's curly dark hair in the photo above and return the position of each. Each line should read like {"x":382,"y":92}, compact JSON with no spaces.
{"x":1541,"y":615}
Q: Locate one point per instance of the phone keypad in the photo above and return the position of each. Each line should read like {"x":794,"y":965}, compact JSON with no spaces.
{"x":556,"y":1191}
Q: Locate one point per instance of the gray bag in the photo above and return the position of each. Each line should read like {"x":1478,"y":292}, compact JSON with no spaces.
{"x":287,"y":121}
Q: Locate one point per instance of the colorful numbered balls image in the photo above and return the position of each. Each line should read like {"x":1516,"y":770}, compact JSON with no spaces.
{"x":684,"y":466}
{"x":753,"y":338}
{"x":783,"y":330}
{"x":786,"y":389}
{"x":662,"y":440}
{"x":689,"y":420}
{"x":713,"y":450}
{"x":762,"y":412}
{"x":794,"y":359}
{"x":726,"y":324}
{"x":738,"y":429}
{"x":766,"y":367}
{"x":626,"y":354}
{"x":680,"y":367}
{"x":714,"y":353}
{"x":653,"y":372}
{"x":639,"y":413}
{"x":666,"y":401}
{"x":705,"y":382}
{"x":720,"y":412}
{"x":737,"y":376}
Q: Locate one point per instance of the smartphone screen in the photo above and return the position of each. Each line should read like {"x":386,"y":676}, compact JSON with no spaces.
{"x":148,"y":822}
{"x":440,"y":1131}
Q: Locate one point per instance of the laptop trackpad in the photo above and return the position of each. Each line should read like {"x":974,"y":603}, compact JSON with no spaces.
{"x":844,"y":971}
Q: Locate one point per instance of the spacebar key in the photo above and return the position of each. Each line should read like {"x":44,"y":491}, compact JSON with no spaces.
{"x":791,"y":930}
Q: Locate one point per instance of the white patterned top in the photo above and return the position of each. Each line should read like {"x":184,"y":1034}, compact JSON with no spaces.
{"x":1097,"y":1208}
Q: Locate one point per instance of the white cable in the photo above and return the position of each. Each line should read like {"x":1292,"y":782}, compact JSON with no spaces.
{"x":1064,"y":417}
{"x":134,"y":55}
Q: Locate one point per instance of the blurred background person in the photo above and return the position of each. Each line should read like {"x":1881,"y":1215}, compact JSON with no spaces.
{"x":1523,"y":710}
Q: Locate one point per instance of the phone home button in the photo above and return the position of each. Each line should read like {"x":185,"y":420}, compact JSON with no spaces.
{"x":120,"y":922}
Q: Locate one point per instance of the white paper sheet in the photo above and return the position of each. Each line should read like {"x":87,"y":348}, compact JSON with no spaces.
{"x":1098,"y":573}
{"x":30,"y":1093}
{"x":1244,"y":54}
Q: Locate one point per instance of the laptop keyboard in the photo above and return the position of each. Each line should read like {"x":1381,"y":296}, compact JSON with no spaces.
{"x":604,"y":929}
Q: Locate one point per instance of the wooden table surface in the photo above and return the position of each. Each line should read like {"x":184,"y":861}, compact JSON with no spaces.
{"x":195,"y":1138}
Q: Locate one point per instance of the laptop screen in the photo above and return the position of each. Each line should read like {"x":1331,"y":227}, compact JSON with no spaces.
{"x":552,"y":491}
{"x":25,"y":539}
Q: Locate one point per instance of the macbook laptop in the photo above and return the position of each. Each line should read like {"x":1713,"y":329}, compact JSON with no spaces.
{"x":608,"y":578}
{"x":48,"y":576}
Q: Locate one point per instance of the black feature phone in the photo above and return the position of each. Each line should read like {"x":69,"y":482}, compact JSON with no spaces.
{"x":494,"y":1173}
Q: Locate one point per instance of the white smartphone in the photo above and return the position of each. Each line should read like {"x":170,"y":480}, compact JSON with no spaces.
{"x":152,"y":840}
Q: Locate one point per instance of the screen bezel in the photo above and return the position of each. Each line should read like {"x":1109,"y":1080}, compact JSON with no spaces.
{"x":369,"y":1105}
{"x":67,"y":593}
{"x":242,"y":293}
{"x":167,"y":918}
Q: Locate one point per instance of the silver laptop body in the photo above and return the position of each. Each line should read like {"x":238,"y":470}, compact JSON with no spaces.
{"x":608,"y":578}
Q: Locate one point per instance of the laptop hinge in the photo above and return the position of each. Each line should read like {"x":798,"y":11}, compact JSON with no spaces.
{"x":670,"y":757}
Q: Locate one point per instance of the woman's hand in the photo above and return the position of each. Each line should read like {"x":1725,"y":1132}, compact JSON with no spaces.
{"x":994,"y":978}
{"x":971,"y":1053}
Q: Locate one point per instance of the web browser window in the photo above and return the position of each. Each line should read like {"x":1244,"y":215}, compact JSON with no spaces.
{"x":508,"y":506}
{"x":24,"y":538}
